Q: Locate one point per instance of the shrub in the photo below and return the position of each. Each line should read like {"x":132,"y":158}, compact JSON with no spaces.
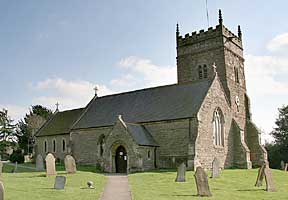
{"x":17,"y":156}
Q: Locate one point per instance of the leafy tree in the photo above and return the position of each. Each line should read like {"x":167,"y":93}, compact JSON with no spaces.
{"x":278,"y":150}
{"x":27,"y":127}
{"x":7,"y":131}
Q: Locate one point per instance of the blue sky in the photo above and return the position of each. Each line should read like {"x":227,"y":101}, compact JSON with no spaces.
{"x":59,"y":50}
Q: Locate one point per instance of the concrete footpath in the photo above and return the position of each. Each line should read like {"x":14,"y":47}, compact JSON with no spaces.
{"x":117,"y":188}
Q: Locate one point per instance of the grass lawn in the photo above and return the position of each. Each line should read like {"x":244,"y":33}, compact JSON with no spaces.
{"x":232,"y":185}
{"x":28,"y":184}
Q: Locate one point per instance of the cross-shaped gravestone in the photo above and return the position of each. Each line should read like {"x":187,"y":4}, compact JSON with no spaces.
{"x":181,"y":171}
{"x":39,"y":163}
{"x":215,"y":168}
{"x":202,"y":183}
{"x":60,"y":182}
{"x":70,"y":164}
{"x":50,"y":165}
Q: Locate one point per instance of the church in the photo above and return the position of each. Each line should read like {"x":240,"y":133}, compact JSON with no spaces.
{"x":205,"y":115}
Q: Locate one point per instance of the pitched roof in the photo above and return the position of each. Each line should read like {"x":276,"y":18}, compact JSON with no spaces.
{"x":60,"y":123}
{"x":141,"y":135}
{"x":152,"y":104}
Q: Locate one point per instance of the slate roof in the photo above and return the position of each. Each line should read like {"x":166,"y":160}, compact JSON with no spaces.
{"x":60,"y":123}
{"x":147,"y":105}
{"x":141,"y":135}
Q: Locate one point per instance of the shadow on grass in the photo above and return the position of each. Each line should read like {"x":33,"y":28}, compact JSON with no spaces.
{"x":251,"y":190}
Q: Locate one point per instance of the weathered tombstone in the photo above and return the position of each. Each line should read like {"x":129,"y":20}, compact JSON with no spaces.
{"x":202,"y":182}
{"x":70,"y":164}
{"x":39,"y":163}
{"x":15,"y":167}
{"x":215,"y":168}
{"x":50,"y":165}
{"x":286,"y":167}
{"x":282,"y":164}
{"x":1,"y":191}
{"x":90,"y":184}
{"x":270,"y":186}
{"x":181,"y":173}
{"x":260,"y":176}
{"x":60,"y":182}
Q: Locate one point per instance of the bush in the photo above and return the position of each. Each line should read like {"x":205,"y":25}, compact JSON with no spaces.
{"x":17,"y":156}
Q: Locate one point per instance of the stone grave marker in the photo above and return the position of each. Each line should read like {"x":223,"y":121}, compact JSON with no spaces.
{"x":215,"y":168}
{"x":1,"y":191}
{"x":260,"y":176}
{"x":181,"y":171}
{"x":70,"y":164}
{"x":270,"y":186}
{"x":39,"y":163}
{"x":50,"y":165}
{"x":286,"y":167}
{"x":15,"y":167}
{"x":202,"y":183}
{"x":90,"y":184}
{"x":282,"y":165}
{"x":60,"y":182}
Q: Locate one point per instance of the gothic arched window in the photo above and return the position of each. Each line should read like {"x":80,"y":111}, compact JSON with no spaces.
{"x":200,"y":73}
{"x":63,"y":145}
{"x":205,"y":71}
{"x":236,"y":74}
{"x":218,"y":128}
{"x":54,"y":145}
{"x":45,"y":146}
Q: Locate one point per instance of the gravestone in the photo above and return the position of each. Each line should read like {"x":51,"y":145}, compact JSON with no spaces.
{"x":70,"y":164}
{"x":50,"y":165}
{"x":60,"y":182}
{"x":286,"y":167}
{"x":1,"y":191}
{"x":202,"y":183}
{"x":270,"y":186}
{"x":282,"y":165}
{"x":265,"y":171}
{"x":215,"y":168}
{"x":181,"y":173}
{"x":90,"y":184}
{"x":260,"y":176}
{"x":15,"y":167}
{"x":39,"y":163}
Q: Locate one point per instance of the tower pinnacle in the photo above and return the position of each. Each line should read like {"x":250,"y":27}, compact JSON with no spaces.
{"x":177,"y":30}
{"x":220,"y":17}
{"x":239,"y":32}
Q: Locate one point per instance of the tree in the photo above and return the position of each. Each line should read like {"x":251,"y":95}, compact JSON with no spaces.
{"x":7,"y":132}
{"x":31,"y":123}
{"x":278,"y":150}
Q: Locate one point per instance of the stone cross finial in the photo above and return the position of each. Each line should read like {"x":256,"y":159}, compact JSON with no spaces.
{"x":57,"y":106}
{"x":214,"y":68}
{"x":239,"y":32}
{"x":220,"y":17}
{"x":96,"y":89}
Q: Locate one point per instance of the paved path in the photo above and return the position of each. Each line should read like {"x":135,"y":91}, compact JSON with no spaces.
{"x":117,"y":188}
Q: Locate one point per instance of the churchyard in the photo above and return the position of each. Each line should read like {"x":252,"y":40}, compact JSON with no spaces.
{"x":27,"y":183}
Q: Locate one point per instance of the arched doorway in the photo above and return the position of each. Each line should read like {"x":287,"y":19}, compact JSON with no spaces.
{"x":121,"y":160}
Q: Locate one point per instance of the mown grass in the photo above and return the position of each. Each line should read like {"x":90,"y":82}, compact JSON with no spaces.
{"x":32,"y":185}
{"x":233,"y":184}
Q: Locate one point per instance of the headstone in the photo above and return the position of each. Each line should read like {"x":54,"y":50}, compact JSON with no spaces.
{"x":39,"y":163}
{"x":70,"y":164}
{"x":282,"y":165}
{"x":50,"y":165}
{"x":215,"y":168}
{"x":202,"y":183}
{"x":1,"y":191}
{"x":260,"y":176}
{"x":286,"y":167}
{"x":181,"y":173}
{"x":15,"y":167}
{"x":90,"y":184}
{"x":270,"y":186}
{"x":60,"y":182}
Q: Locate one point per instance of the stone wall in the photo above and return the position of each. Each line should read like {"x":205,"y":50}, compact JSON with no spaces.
{"x":59,"y":153}
{"x":206,"y":151}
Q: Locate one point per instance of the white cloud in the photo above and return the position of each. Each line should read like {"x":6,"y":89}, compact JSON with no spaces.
{"x":15,"y":112}
{"x":280,"y":42}
{"x":70,"y":94}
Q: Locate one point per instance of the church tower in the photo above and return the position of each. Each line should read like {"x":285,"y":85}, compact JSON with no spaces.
{"x":198,"y":52}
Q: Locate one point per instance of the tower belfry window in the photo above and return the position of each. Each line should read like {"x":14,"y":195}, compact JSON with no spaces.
{"x":205,"y":71}
{"x":236,"y":73}
{"x":200,"y":73}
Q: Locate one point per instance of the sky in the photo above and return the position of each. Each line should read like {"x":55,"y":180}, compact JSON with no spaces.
{"x":58,"y":51}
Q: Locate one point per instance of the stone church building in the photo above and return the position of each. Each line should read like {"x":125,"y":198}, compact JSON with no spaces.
{"x":204,"y":115}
